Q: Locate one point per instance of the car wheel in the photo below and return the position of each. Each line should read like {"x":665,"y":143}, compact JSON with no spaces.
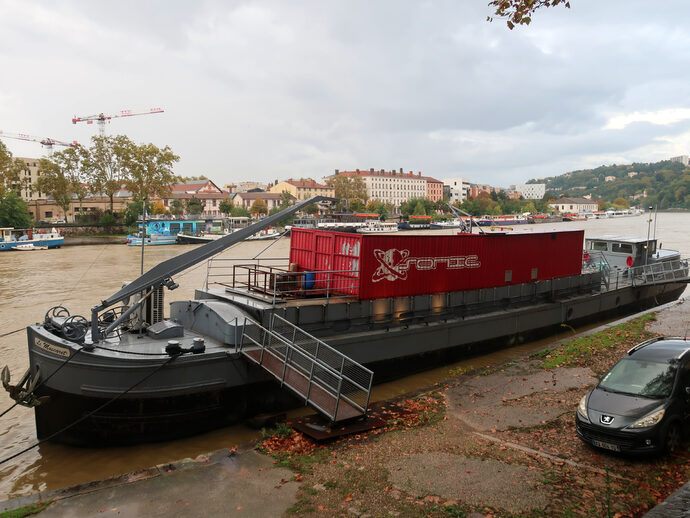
{"x":673,"y":438}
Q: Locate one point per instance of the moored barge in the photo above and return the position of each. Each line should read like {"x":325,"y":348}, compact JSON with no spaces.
{"x":344,"y":311}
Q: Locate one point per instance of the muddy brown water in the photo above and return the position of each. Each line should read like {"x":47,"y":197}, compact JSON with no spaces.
{"x":78,"y":277}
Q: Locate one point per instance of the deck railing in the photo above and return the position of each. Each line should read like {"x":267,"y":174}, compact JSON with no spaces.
{"x":274,"y":281}
{"x":220,"y":270}
{"x":653,"y":273}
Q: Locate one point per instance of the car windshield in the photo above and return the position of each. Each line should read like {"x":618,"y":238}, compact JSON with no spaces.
{"x":640,"y":378}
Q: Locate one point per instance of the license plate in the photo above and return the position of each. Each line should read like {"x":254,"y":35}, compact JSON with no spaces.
{"x":606,"y":445}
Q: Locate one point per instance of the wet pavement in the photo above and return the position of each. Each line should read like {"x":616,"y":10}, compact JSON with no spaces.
{"x":226,"y":483}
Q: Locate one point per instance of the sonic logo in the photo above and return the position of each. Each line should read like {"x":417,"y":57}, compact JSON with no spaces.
{"x":394,"y":264}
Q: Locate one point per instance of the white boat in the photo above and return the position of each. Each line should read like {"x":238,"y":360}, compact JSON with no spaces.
{"x":30,"y":246}
{"x":268,"y":233}
{"x":378,"y":227}
{"x":448,"y":223}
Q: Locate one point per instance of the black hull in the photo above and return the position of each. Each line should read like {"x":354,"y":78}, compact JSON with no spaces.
{"x":133,"y":420}
{"x":191,"y":240}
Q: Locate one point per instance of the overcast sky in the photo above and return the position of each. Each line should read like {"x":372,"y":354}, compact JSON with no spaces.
{"x":271,"y":90}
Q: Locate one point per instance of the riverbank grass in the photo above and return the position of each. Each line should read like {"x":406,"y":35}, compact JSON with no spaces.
{"x":28,"y":510}
{"x":581,"y":351}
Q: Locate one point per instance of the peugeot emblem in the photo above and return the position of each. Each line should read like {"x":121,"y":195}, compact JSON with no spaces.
{"x":606,"y":419}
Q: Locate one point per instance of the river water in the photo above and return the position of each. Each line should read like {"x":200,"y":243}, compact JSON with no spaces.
{"x":78,"y":277}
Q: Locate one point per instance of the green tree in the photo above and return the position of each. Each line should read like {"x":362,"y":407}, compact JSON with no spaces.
{"x":529,"y":207}
{"x":286,"y":200}
{"x":380,"y":208}
{"x":103,"y":164}
{"x":258,"y":207}
{"x":150,"y":170}
{"x":69,"y":163}
{"x":621,"y":203}
{"x":419,"y":209}
{"x":348,"y":187}
{"x":240,"y":212}
{"x":159,"y":208}
{"x":176,"y":207}
{"x":356,"y":205}
{"x":107,"y":220}
{"x":135,"y":211}
{"x":187,"y":179}
{"x":311,"y":209}
{"x":194,"y":206}
{"x":425,"y":207}
{"x":11,"y":172}
{"x":226,"y":206}
{"x":55,"y":181}
{"x":14,"y":211}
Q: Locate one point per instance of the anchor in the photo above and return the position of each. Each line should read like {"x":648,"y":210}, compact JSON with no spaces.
{"x":23,"y":392}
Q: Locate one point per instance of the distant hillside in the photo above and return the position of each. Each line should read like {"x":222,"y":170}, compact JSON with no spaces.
{"x":666,"y":184}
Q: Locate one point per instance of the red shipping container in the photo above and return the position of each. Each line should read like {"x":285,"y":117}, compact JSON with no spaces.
{"x":394,"y":265}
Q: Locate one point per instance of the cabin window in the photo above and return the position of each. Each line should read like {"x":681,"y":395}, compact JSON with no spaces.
{"x":622,"y":248}
{"x":602,"y":246}
{"x":174,"y":228}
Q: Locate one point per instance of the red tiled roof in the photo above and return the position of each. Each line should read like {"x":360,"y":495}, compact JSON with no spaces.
{"x":198,"y":195}
{"x":188,"y":186}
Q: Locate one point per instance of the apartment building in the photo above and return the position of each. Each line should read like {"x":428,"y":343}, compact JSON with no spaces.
{"x":303,"y":189}
{"x":457,"y":188}
{"x":394,"y":187}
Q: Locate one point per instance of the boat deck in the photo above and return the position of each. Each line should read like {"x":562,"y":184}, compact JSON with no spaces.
{"x":260,"y":300}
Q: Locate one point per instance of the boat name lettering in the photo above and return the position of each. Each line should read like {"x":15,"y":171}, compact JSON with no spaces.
{"x":394,"y":264}
{"x":51,"y":348}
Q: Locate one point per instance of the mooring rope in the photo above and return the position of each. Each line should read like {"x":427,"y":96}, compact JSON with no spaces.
{"x":12,"y":332}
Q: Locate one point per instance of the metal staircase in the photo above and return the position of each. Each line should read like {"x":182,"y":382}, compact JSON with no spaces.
{"x":330,"y":382}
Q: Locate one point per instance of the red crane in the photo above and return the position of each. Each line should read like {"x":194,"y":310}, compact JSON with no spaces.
{"x":102,"y":118}
{"x":47,"y":141}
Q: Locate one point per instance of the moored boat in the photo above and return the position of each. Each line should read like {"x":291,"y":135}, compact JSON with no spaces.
{"x":416,"y":223}
{"x":378,"y":227}
{"x":450,"y":223}
{"x":27,"y":247}
{"x":267,"y":233}
{"x":341,"y":307}
{"x":165,"y":231}
{"x":544,"y":218}
{"x":29,"y":239}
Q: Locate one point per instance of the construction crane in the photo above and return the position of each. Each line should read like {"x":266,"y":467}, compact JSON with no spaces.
{"x":102,"y":118}
{"x":46,"y":142}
